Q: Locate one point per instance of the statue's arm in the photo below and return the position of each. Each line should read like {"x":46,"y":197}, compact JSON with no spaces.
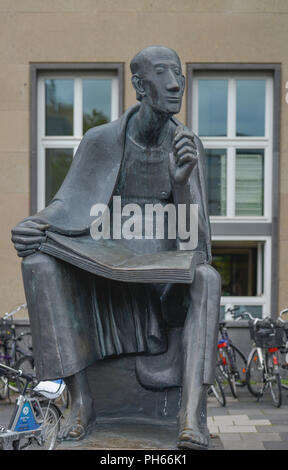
{"x":29,"y":233}
{"x":188,"y":183}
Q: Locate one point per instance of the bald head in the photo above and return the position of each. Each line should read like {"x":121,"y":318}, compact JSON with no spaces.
{"x":139,"y":63}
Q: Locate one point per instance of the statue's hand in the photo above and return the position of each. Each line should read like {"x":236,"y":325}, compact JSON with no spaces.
{"x":184,"y":156}
{"x":27,"y":237}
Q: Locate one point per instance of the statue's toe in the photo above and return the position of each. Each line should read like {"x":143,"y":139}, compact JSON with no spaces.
{"x":191,"y":438}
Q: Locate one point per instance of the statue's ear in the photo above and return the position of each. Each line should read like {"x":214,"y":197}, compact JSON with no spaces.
{"x":183,"y":83}
{"x":138,"y":85}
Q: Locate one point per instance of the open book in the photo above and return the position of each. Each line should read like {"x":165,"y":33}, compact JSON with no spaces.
{"x":110,"y":259}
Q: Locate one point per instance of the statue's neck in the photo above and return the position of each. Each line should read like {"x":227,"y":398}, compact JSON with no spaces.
{"x":148,"y":127}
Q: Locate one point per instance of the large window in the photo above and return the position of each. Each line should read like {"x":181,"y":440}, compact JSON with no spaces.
{"x":232,"y":112}
{"x":68,"y":104}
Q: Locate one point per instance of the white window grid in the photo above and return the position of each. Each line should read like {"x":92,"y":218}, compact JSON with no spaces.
{"x":72,"y":141}
{"x":231,"y":142}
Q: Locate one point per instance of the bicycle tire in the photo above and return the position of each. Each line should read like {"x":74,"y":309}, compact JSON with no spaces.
{"x":26,"y":364}
{"x":49,"y":431}
{"x":235,"y":372}
{"x":283,"y":364}
{"x":3,"y":387}
{"x":274,"y":383}
{"x":218,"y":392}
{"x":255,"y":375}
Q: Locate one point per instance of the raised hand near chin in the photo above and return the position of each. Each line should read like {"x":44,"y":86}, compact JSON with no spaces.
{"x":184,"y":156}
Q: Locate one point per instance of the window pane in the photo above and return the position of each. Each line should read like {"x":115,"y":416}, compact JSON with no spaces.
{"x":250,"y":108}
{"x":249,"y":182}
{"x":255,"y":310}
{"x":212,"y":111}
{"x":216,"y":180}
{"x":238,"y":269}
{"x":57,"y":162}
{"x":59,"y":95}
{"x":96,"y":102}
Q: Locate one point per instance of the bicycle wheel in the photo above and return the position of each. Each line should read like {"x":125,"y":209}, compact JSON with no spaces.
{"x":26,"y":364}
{"x":218,"y":392}
{"x":3,"y":387}
{"x":283,"y":365}
{"x":50,"y":427}
{"x":274,"y":382}
{"x":255,"y":375}
{"x":225,"y":365}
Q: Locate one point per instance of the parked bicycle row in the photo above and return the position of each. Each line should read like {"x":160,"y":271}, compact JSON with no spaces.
{"x":266,"y":367}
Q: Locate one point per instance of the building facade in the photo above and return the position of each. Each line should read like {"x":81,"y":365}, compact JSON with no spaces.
{"x":65,"y":68}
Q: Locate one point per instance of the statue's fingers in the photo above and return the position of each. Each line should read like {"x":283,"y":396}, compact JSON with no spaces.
{"x":27,"y":240}
{"x":21,"y":247}
{"x":24,"y":253}
{"x":183,"y":133}
{"x":185,"y":142}
{"x":186,"y":149}
{"x":187,"y":159}
{"x":26,"y":231}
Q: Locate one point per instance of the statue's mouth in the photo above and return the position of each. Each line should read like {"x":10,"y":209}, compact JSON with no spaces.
{"x":174,"y":99}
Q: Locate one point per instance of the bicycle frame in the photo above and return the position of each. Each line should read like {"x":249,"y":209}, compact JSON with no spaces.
{"x":225,"y":343}
{"x":24,"y":421}
{"x":27,"y":416}
{"x":263,"y":363}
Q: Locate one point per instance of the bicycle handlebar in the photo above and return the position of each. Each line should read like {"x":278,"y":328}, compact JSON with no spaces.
{"x":17,"y":372}
{"x":10,"y":314}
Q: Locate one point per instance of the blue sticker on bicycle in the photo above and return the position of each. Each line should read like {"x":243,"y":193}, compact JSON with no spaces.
{"x":26,"y":421}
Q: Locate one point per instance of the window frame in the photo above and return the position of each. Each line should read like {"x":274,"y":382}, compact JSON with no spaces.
{"x":39,"y":70}
{"x":266,"y":228}
{"x":232,"y":143}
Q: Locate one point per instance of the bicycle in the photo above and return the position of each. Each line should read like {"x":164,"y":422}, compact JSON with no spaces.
{"x":263,"y":371}
{"x":35,"y":423}
{"x":218,"y":391}
{"x":10,"y":351}
{"x":231,"y":362}
{"x":283,"y":352}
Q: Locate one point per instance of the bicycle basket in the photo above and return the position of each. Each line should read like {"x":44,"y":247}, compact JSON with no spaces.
{"x":267,"y":337}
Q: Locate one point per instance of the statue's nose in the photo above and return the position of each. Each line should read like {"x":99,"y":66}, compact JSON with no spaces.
{"x":172,"y":84}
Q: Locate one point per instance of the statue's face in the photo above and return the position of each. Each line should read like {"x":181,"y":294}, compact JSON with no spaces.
{"x":162,"y":81}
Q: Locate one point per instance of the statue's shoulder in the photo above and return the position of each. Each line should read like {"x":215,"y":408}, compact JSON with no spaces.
{"x":104,"y":131}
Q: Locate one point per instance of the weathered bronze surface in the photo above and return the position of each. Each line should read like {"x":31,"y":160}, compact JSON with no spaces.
{"x":80,"y":320}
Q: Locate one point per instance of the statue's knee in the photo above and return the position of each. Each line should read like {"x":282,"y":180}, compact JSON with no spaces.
{"x":206,"y":275}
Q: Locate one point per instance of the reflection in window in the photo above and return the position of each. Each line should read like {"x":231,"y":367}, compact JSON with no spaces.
{"x":254,"y":310}
{"x":250,"y":119}
{"x":249,"y":182}
{"x":212,"y":107}
{"x":96,"y":102}
{"x":59,"y":96}
{"x":238,"y":269}
{"x":57,"y":163}
{"x":216,"y":180}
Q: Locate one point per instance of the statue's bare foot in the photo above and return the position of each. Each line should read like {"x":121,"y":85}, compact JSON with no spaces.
{"x":82,"y":416}
{"x":193,"y":438}
{"x":78,"y":425}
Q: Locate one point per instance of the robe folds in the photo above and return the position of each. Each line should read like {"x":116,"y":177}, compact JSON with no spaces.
{"x":77,"y":318}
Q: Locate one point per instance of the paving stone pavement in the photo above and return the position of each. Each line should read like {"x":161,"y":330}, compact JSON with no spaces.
{"x":243,"y":424}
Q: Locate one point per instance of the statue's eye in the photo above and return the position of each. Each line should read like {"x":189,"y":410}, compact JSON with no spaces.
{"x":177,"y":71}
{"x":159,"y":69}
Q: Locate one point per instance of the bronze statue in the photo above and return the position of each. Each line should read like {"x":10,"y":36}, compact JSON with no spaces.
{"x":78,"y":318}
